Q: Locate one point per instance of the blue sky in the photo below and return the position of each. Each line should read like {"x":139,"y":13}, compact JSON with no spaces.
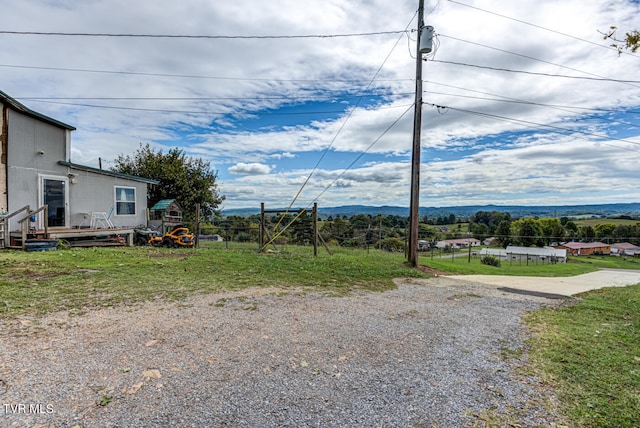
{"x":524,"y":102}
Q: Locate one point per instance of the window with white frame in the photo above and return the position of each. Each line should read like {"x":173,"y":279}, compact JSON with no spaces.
{"x":125,"y":200}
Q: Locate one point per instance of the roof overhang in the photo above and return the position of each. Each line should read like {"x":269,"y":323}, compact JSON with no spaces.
{"x":6,"y":99}
{"x":107,"y":172}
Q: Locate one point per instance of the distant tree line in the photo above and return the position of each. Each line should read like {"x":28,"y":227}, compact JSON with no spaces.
{"x":390,"y":231}
{"x":546,"y":231}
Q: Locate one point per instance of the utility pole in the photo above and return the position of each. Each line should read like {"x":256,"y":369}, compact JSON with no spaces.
{"x":415,"y":157}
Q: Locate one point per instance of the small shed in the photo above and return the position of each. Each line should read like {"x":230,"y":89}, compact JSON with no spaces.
{"x":165,"y":214}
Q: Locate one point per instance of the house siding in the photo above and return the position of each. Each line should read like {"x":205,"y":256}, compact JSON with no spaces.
{"x":586,"y":249}
{"x":35,"y":148}
{"x":3,"y":156}
{"x":94,"y":192}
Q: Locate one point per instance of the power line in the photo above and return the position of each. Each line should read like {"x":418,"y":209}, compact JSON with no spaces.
{"x":349,"y":115}
{"x":553,"y":127}
{"x":190,"y":76}
{"x":523,"y":101}
{"x":278,"y":97}
{"x":189,"y":36}
{"x":533,"y":58}
{"x":551,"y":106}
{"x":540,"y":27}
{"x":193,"y":111}
{"x":362,"y":154}
{"x":601,"y":79}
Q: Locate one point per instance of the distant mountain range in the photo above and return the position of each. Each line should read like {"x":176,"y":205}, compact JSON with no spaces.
{"x":516,"y":211}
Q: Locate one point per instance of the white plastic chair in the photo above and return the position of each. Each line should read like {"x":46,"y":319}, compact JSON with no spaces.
{"x":102,"y":218}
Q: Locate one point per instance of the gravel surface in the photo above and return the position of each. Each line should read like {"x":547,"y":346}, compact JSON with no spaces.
{"x":435,"y":352}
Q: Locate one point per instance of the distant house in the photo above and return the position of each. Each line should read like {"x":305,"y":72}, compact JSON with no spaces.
{"x":490,"y":241}
{"x":586,"y":248}
{"x":527,"y":254}
{"x":458,"y":243}
{"x":36,"y":170}
{"x":625,"y":249}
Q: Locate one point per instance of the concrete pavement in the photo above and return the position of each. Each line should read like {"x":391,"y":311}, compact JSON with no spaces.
{"x":560,"y":286}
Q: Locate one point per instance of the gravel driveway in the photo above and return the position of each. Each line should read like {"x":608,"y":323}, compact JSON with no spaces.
{"x":435,"y":352}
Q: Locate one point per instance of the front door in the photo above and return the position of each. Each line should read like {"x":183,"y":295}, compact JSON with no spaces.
{"x":55,"y":195}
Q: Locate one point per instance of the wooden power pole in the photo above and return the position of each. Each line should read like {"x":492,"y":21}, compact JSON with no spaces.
{"x":415,"y":157}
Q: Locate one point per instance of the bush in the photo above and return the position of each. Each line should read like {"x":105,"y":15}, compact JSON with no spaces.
{"x":490,"y":261}
{"x":391,"y":244}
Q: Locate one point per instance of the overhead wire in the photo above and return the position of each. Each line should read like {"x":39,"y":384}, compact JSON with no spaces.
{"x":345,"y":121}
{"x":544,"y":125}
{"x":540,"y":27}
{"x":362,"y":154}
{"x":595,"y":76}
{"x":207,"y":112}
{"x":600,"y":79}
{"x":567,"y":109}
{"x":191,"y":36}
{"x":192,"y":76}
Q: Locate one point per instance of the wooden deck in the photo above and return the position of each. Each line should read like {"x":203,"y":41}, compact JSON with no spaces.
{"x":79,"y":237}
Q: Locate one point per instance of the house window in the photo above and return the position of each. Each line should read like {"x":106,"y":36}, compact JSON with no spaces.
{"x":125,"y":201}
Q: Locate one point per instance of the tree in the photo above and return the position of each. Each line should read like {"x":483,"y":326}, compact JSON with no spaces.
{"x":605,"y":230}
{"x":571,"y":228}
{"x":552,"y":230}
{"x":527,"y":232}
{"x":503,"y":233}
{"x":586,"y":232}
{"x":188,"y":180}
{"x":630,"y":42}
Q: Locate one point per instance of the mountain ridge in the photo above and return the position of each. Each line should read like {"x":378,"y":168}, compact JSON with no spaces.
{"x":516,"y":211}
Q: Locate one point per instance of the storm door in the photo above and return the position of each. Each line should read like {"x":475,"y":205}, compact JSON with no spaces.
{"x":54,"y":194}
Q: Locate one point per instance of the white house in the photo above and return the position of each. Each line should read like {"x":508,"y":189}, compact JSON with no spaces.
{"x":458,"y":243}
{"x":36,"y":169}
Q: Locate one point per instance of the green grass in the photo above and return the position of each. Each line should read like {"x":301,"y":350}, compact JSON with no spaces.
{"x":575,"y":265}
{"x":41,"y":282}
{"x":590,"y":353}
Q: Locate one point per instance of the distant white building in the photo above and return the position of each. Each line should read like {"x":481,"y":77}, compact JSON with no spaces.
{"x":458,"y":243}
{"x":527,"y":254}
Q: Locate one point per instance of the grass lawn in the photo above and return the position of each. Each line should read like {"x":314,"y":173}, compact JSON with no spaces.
{"x":39,"y":282}
{"x":590,"y":353}
{"x":589,"y":350}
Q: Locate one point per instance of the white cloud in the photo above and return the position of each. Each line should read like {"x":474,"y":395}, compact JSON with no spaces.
{"x":250,"y":169}
{"x":505,"y":136}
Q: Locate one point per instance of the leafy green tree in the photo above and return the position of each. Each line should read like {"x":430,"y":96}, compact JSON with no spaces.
{"x":571,"y":228}
{"x":627,"y":232}
{"x":360,"y":221}
{"x":479,"y":230}
{"x":586,"y":232}
{"x":527,"y":232}
{"x":302,"y":233}
{"x":605,"y":230}
{"x":189,"y":180}
{"x":552,"y":230}
{"x":503,"y":233}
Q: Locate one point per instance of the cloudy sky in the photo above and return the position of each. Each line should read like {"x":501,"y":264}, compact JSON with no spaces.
{"x":524,"y":102}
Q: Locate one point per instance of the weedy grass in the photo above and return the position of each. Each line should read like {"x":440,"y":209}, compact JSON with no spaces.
{"x":40,"y":282}
{"x":589,"y":351}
